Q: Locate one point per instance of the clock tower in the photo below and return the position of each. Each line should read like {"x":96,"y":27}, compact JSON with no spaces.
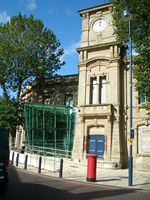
{"x":97,"y":26}
{"x":98,"y":121}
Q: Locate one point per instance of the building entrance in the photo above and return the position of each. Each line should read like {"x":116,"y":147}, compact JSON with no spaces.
{"x":96,"y":145}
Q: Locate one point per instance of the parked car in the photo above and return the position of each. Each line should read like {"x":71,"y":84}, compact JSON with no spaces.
{"x":4,"y":160}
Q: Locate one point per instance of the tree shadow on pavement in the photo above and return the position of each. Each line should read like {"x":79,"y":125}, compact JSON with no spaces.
{"x":55,"y":189}
{"x":106,"y":180}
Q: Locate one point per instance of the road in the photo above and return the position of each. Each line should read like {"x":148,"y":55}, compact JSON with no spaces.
{"x":26,"y":186}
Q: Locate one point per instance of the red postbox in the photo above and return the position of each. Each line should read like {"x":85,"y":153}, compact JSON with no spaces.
{"x":91,"y":167}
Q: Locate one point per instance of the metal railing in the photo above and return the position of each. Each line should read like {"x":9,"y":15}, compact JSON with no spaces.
{"x":46,"y":151}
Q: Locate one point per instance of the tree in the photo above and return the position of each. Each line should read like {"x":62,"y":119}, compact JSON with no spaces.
{"x":29,"y":53}
{"x":140,"y":29}
{"x":9,"y":117}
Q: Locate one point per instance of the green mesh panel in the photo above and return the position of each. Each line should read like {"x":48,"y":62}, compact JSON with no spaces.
{"x":49,"y":126}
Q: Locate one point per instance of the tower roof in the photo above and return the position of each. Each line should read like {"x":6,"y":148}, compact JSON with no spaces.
{"x":102,"y":6}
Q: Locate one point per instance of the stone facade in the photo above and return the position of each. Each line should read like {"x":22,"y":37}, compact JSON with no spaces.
{"x":61,"y":90}
{"x":103,"y":94}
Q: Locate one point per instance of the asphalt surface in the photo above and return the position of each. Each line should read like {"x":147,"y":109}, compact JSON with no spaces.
{"x":26,"y":186}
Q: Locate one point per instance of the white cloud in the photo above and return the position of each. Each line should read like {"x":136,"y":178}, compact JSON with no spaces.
{"x":4,"y":17}
{"x":68,"y":12}
{"x":52,"y":11}
{"x":70,"y":50}
{"x":31,"y":5}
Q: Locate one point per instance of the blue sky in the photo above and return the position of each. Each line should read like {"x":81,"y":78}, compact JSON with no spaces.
{"x":61,"y":16}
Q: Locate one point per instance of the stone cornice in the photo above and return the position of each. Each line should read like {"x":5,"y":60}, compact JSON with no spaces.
{"x":110,"y":60}
{"x":95,"y":8}
{"x":93,"y":47}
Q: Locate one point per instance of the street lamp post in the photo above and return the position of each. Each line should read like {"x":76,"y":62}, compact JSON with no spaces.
{"x":127,"y":15}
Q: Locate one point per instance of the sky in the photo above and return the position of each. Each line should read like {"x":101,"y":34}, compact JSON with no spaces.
{"x":61,"y":16}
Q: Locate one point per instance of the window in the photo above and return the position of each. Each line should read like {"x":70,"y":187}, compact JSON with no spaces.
{"x":69,"y":99}
{"x":144,"y":140}
{"x":98,"y":90}
{"x":102,"y":92}
{"x":142,"y":99}
{"x":46,"y":100}
{"x":93,"y":90}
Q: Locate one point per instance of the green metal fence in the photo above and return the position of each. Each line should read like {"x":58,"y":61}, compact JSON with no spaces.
{"x":49,"y":126}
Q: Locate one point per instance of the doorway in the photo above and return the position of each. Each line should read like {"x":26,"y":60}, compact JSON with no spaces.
{"x":96,"y":145}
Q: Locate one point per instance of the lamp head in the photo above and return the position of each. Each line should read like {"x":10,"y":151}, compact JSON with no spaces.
{"x":127,"y":14}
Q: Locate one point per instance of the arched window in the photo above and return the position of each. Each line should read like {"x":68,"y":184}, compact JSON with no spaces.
{"x":144,"y":140}
{"x":98,"y":90}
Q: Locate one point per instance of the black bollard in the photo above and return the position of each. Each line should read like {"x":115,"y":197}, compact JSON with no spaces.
{"x":12,"y":160}
{"x":25,"y":162}
{"x":17,"y":159}
{"x":61,"y":168}
{"x":40,"y":163}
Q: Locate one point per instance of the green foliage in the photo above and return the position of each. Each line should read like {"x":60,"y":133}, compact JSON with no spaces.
{"x":10,"y":114}
{"x":140,"y":32}
{"x":28,"y":52}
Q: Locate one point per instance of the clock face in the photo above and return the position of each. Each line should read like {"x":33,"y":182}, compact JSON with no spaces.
{"x":99,"y":25}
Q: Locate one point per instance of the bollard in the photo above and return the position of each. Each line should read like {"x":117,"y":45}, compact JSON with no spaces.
{"x":12,"y":160}
{"x":17,"y":159}
{"x":25,"y":162}
{"x":61,"y":168}
{"x":40,"y":163}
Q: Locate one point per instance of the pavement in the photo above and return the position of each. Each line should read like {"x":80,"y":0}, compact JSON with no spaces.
{"x":76,"y":171}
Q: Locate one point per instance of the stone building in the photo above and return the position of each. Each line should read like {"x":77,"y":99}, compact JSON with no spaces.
{"x":61,"y":90}
{"x":102,"y":123}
